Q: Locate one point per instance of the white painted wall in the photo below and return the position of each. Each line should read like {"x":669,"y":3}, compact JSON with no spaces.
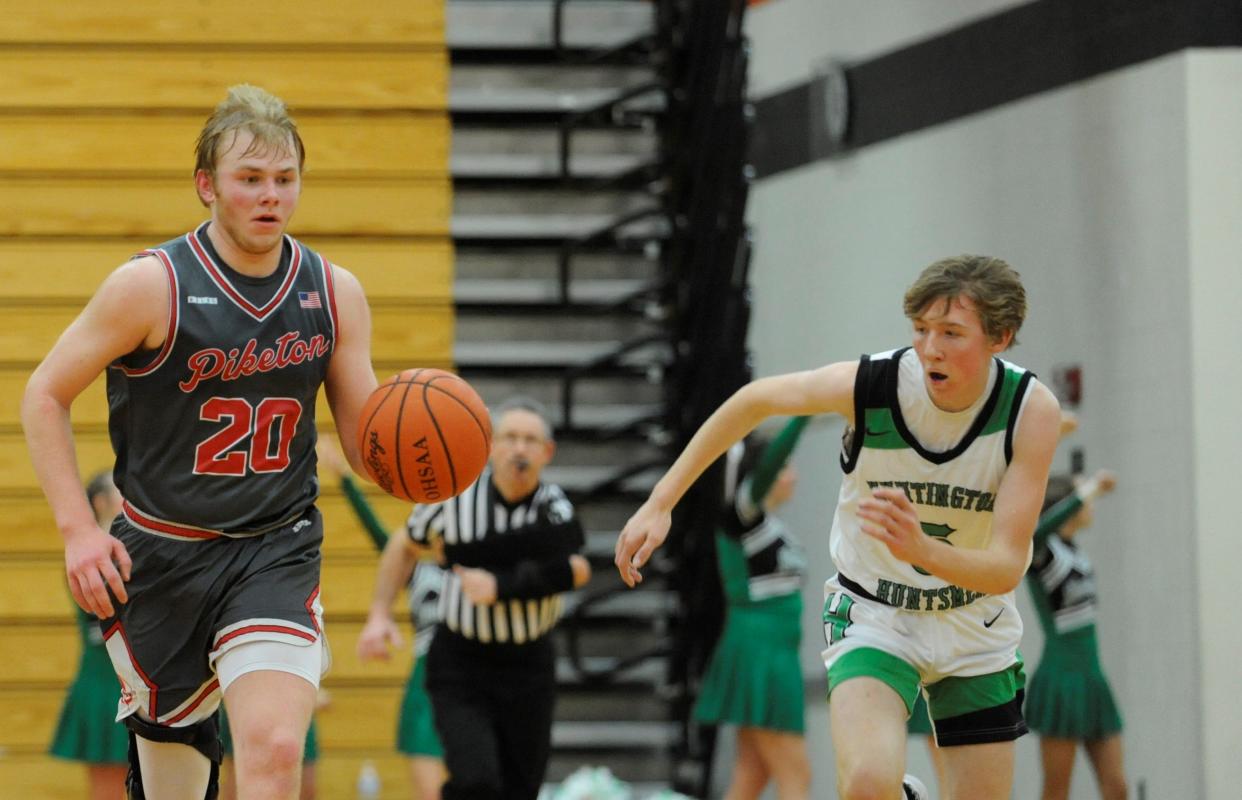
{"x":1119,"y":201}
{"x":1215,"y":278}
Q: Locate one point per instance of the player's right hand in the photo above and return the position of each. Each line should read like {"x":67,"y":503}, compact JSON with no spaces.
{"x":379,"y":637}
{"x":642,"y":534}
{"x":96,"y":562}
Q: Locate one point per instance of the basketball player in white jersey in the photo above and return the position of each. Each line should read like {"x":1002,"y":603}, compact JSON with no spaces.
{"x":946,"y":455}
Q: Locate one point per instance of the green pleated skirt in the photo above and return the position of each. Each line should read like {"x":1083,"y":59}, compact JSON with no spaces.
{"x":416,"y":727}
{"x":87,"y":730}
{"x":754,"y":677}
{"x":1068,"y":697}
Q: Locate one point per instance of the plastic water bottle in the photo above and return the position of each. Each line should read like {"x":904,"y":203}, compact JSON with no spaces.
{"x":368,"y":782}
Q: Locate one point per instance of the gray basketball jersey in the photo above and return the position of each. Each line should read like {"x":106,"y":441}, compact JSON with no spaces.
{"x":215,"y":433}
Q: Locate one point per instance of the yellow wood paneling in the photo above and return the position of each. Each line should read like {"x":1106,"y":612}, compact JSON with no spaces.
{"x":384,"y":22}
{"x":40,"y":654}
{"x":392,"y":271}
{"x":388,"y":145}
{"x":31,"y":775}
{"x":343,"y":533}
{"x":47,"y":655}
{"x":30,"y":529}
{"x":153,"y":207}
{"x":338,"y":772}
{"x":36,"y":590}
{"x":90,"y":409}
{"x":29,"y":718}
{"x":346,"y":667}
{"x":128,"y":78}
{"x":348,"y":583}
{"x":416,"y":337}
{"x":16,"y":474}
{"x":27,"y":773}
{"x":360,"y":717}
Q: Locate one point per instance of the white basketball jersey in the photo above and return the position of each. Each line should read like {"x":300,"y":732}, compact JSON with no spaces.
{"x":949,"y":464}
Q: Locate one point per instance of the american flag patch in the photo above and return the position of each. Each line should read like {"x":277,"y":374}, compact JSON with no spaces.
{"x":309,"y":300}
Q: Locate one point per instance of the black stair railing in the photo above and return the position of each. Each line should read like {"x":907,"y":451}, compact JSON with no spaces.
{"x":703,"y":185}
{"x":709,"y":187}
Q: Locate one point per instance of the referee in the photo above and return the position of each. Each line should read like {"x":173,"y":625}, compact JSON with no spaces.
{"x":510,"y":544}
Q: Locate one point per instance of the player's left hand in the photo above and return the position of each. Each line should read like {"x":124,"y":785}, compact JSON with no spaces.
{"x":890,"y":517}
{"x":478,"y":585}
{"x":642,"y":534}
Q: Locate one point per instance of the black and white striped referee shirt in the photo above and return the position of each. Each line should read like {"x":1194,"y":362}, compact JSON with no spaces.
{"x":525,"y":544}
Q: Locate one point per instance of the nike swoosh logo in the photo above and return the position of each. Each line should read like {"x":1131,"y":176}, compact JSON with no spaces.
{"x":876,"y":433}
{"x":989,"y":623}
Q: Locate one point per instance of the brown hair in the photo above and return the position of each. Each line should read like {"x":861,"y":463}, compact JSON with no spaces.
{"x":252,"y":109}
{"x":993,"y":286}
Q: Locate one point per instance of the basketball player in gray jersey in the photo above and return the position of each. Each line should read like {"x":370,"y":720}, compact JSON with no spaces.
{"x":215,"y":344}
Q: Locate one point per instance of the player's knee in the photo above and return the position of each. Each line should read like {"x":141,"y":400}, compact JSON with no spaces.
{"x":868,"y":783}
{"x":275,"y":750}
{"x":796,"y":775}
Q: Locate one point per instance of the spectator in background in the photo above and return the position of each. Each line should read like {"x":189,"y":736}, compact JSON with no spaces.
{"x":754,"y":678}
{"x":1069,"y":701}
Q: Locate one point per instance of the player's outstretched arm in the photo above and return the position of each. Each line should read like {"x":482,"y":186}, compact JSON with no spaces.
{"x":129,"y":311}
{"x":380,"y":634}
{"x":890,"y":517}
{"x":825,"y":390}
{"x":351,"y":378}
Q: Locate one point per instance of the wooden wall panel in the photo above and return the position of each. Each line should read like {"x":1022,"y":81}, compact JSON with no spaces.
{"x":40,"y":654}
{"x":30,"y":717}
{"x":360,"y":717}
{"x":384,"y":22}
{"x":125,"y":78}
{"x":337,"y":774}
{"x":136,"y":142}
{"x":30,"y":529}
{"x":91,"y":408}
{"x":17,"y":476}
{"x":35,"y":775}
{"x":414,"y":336}
{"x":36,"y":590}
{"x":154,"y":207}
{"x":46,"y":656}
{"x":392,"y":271}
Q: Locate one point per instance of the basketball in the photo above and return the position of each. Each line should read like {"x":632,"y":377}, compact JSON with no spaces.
{"x":425,"y":435}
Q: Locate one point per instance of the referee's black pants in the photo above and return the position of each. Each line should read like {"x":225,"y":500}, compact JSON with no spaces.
{"x":493,"y":707}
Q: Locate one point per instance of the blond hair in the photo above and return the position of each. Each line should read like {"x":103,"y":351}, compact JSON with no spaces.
{"x":248,"y":108}
{"x":993,"y":286}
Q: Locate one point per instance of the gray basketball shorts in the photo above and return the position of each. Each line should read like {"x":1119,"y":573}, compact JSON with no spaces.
{"x":191,"y":600}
